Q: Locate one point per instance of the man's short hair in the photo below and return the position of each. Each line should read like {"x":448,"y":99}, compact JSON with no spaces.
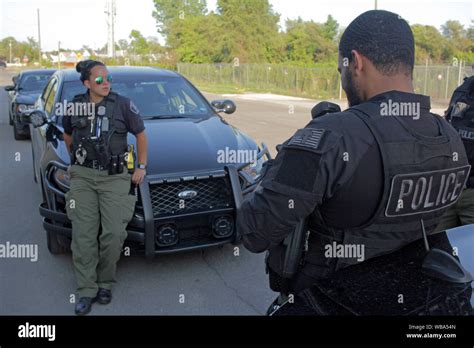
{"x":384,"y":38}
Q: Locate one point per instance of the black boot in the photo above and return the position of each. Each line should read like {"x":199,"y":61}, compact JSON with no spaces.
{"x":84,"y":305}
{"x":104,"y":296}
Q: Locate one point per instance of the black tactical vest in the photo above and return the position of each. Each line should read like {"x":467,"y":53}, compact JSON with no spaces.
{"x":423,"y":176}
{"x":82,"y":136}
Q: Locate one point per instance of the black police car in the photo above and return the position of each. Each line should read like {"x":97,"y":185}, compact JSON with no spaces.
{"x":189,"y":196}
{"x":28,"y":86}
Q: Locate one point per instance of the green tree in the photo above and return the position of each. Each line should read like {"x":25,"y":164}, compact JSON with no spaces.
{"x":138,"y":43}
{"x":250,"y":30}
{"x":198,"y":40}
{"x":19,"y":49}
{"x":168,"y":13}
{"x":123,"y":45}
{"x":453,"y":30}
{"x":330,"y":28}
{"x":154,"y":45}
{"x":429,"y":43}
{"x":309,"y":42}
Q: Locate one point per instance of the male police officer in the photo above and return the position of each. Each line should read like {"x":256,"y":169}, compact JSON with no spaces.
{"x":367,"y":179}
{"x":100,"y":182}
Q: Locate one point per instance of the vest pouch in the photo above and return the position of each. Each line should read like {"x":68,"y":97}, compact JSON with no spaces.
{"x":103,"y":153}
{"x":79,"y":122}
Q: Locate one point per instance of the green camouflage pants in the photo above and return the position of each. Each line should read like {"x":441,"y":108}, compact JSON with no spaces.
{"x":96,"y":200}
{"x":460,"y":214}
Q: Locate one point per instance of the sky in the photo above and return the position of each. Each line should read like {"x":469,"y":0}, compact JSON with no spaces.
{"x":76,"y":23}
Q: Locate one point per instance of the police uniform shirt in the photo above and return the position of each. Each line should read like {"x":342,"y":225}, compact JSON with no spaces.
{"x":326,"y":168}
{"x":126,"y":116}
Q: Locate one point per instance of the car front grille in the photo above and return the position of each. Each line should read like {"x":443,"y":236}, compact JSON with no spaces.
{"x":212,"y":194}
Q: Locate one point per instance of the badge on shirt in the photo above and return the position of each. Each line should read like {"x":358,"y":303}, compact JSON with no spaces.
{"x":101,"y":110}
{"x":133,"y":108}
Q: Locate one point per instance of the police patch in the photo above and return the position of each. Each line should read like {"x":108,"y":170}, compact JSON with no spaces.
{"x":133,"y":108}
{"x":419,"y":193}
{"x":307,"y":137}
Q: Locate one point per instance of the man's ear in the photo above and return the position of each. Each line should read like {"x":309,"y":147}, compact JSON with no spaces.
{"x":87,"y":84}
{"x":357,"y":61}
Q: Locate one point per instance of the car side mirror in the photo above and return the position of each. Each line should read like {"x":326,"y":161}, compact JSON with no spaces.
{"x":36,"y":118}
{"x":9,"y":88}
{"x":227,"y":106}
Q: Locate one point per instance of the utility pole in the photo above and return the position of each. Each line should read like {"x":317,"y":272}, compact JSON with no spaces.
{"x":59,"y":55}
{"x":111,"y":13}
{"x":39,"y":38}
{"x":10,"y":44}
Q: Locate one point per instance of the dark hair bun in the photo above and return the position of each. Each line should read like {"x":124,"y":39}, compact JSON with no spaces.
{"x":81,"y":65}
{"x":84,"y":67}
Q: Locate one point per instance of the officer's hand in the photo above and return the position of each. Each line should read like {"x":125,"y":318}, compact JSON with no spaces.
{"x":138,"y":175}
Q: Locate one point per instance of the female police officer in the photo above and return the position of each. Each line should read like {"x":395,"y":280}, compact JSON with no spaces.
{"x":100,"y":182}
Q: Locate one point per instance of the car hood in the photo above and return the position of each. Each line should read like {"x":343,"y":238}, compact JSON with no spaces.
{"x":27,"y":97}
{"x":177,"y":146}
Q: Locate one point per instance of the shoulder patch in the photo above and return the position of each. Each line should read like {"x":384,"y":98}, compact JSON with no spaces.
{"x":308,"y":138}
{"x":133,"y":108}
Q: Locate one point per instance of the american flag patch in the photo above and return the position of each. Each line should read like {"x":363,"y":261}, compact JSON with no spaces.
{"x":307,"y":137}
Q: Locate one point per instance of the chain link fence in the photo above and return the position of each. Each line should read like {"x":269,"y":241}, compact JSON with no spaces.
{"x":317,"y":83}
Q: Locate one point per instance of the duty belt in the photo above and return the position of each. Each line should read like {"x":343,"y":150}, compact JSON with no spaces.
{"x":94,"y":164}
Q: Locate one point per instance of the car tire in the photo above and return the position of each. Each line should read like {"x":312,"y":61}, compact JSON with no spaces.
{"x":16,"y":135}
{"x":56,"y":243}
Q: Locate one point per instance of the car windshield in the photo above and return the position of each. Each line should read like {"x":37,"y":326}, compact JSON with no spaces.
{"x":154,"y":96}
{"x":34,"y":83}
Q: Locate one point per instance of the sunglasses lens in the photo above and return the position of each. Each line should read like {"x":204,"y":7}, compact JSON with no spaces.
{"x":109,"y":78}
{"x":99,"y":80}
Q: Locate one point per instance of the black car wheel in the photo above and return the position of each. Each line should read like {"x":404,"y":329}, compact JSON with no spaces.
{"x":16,"y":134}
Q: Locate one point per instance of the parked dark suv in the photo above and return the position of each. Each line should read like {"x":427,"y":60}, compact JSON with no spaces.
{"x":28,"y":86}
{"x":189,"y":196}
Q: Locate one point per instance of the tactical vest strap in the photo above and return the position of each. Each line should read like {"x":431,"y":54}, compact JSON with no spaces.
{"x":364,"y":114}
{"x":109,"y":114}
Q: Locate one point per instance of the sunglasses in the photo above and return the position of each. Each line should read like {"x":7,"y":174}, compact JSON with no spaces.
{"x":100,"y":80}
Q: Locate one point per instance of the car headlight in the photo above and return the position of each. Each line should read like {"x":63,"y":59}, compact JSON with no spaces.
{"x":61,"y":178}
{"x":23,"y":107}
{"x":254,"y":169}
